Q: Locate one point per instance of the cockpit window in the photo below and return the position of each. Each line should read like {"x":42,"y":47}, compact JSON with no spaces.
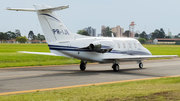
{"x":139,"y":44}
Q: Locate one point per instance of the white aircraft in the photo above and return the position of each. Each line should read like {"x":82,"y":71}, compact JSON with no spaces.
{"x":62,"y":42}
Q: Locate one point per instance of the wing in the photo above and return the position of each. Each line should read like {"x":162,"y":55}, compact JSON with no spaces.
{"x":40,"y":53}
{"x":133,"y":57}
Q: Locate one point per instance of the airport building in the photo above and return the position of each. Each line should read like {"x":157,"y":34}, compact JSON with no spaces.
{"x":102,"y":28}
{"x":165,"y":41}
{"x":90,"y":31}
{"x":117,"y":30}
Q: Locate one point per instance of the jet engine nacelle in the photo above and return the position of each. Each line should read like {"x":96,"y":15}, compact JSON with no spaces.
{"x":101,"y":46}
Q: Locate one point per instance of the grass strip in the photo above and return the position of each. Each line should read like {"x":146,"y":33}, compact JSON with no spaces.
{"x":149,"y":90}
{"x":19,"y":60}
{"x":163,"y":49}
{"x":10,"y":58}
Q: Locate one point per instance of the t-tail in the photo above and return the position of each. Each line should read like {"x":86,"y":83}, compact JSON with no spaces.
{"x":53,"y":28}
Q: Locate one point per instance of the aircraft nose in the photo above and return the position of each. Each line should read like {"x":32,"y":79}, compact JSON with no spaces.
{"x":148,"y":52}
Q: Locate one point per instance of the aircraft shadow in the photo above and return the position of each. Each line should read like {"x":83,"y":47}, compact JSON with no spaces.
{"x":87,"y":73}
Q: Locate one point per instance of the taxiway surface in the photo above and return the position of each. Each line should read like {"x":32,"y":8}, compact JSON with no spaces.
{"x":31,"y":78}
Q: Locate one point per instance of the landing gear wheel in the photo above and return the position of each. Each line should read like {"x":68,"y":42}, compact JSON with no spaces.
{"x":140,"y":65}
{"x":115,"y":67}
{"x":82,"y":66}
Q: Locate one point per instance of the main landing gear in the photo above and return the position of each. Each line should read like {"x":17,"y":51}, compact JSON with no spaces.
{"x":115,"y":66}
{"x":140,"y":65}
{"x":83,"y":65}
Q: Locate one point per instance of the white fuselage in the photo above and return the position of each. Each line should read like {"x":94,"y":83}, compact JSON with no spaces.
{"x":121,"y":46}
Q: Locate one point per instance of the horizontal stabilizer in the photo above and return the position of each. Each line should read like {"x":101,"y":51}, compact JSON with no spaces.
{"x":54,"y":8}
{"x":40,"y":53}
{"x":21,"y":9}
{"x":34,"y":10}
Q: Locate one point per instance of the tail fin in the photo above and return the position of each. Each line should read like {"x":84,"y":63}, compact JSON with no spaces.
{"x":53,"y":28}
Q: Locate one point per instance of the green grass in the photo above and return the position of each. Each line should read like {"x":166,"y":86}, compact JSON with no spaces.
{"x":19,"y":59}
{"x":13,"y":48}
{"x":150,"y":90}
{"x":164,"y":49}
{"x":10,"y":58}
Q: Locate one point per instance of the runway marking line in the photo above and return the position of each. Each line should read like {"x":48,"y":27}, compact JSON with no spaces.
{"x":57,"y":88}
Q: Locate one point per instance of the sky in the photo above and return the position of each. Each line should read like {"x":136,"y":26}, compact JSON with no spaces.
{"x":148,"y":15}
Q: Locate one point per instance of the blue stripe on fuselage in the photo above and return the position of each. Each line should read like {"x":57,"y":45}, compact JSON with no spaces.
{"x":69,"y":48}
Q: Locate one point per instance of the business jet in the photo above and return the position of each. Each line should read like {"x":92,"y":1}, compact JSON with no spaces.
{"x":62,"y":42}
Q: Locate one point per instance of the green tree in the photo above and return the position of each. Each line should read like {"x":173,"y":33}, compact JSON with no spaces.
{"x":10,"y":35}
{"x":21,"y":39}
{"x":4,"y":36}
{"x":142,"y":40}
{"x":30,"y":35}
{"x":154,"y":34}
{"x":126,"y":33}
{"x":168,"y":37}
{"x":143,"y":35}
{"x":158,"y":34}
{"x":136,"y":35}
{"x":161,"y":34}
{"x":106,"y":32}
{"x":176,"y":36}
{"x":1,"y":36}
{"x":83,"y":32}
{"x":34,"y":37}
{"x":18,"y":33}
{"x":40,"y":37}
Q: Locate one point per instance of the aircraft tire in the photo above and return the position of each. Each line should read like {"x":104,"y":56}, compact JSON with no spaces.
{"x":115,"y":67}
{"x":82,"y":66}
{"x":140,"y":65}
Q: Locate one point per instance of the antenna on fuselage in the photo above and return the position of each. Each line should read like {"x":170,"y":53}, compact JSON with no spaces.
{"x":112,"y":35}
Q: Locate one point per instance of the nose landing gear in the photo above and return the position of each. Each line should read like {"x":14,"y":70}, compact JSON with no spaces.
{"x":83,"y":65}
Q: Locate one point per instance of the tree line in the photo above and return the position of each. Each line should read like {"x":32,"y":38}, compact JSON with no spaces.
{"x":143,"y":37}
{"x":17,"y":36}
{"x":10,"y":35}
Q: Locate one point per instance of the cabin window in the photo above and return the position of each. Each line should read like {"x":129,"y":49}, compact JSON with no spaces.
{"x":134,"y":45}
{"x":124,"y":45}
{"x":129,"y":45}
{"x":118,"y":45}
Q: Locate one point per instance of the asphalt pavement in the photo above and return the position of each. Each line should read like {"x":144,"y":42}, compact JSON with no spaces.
{"x":42,"y":77}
